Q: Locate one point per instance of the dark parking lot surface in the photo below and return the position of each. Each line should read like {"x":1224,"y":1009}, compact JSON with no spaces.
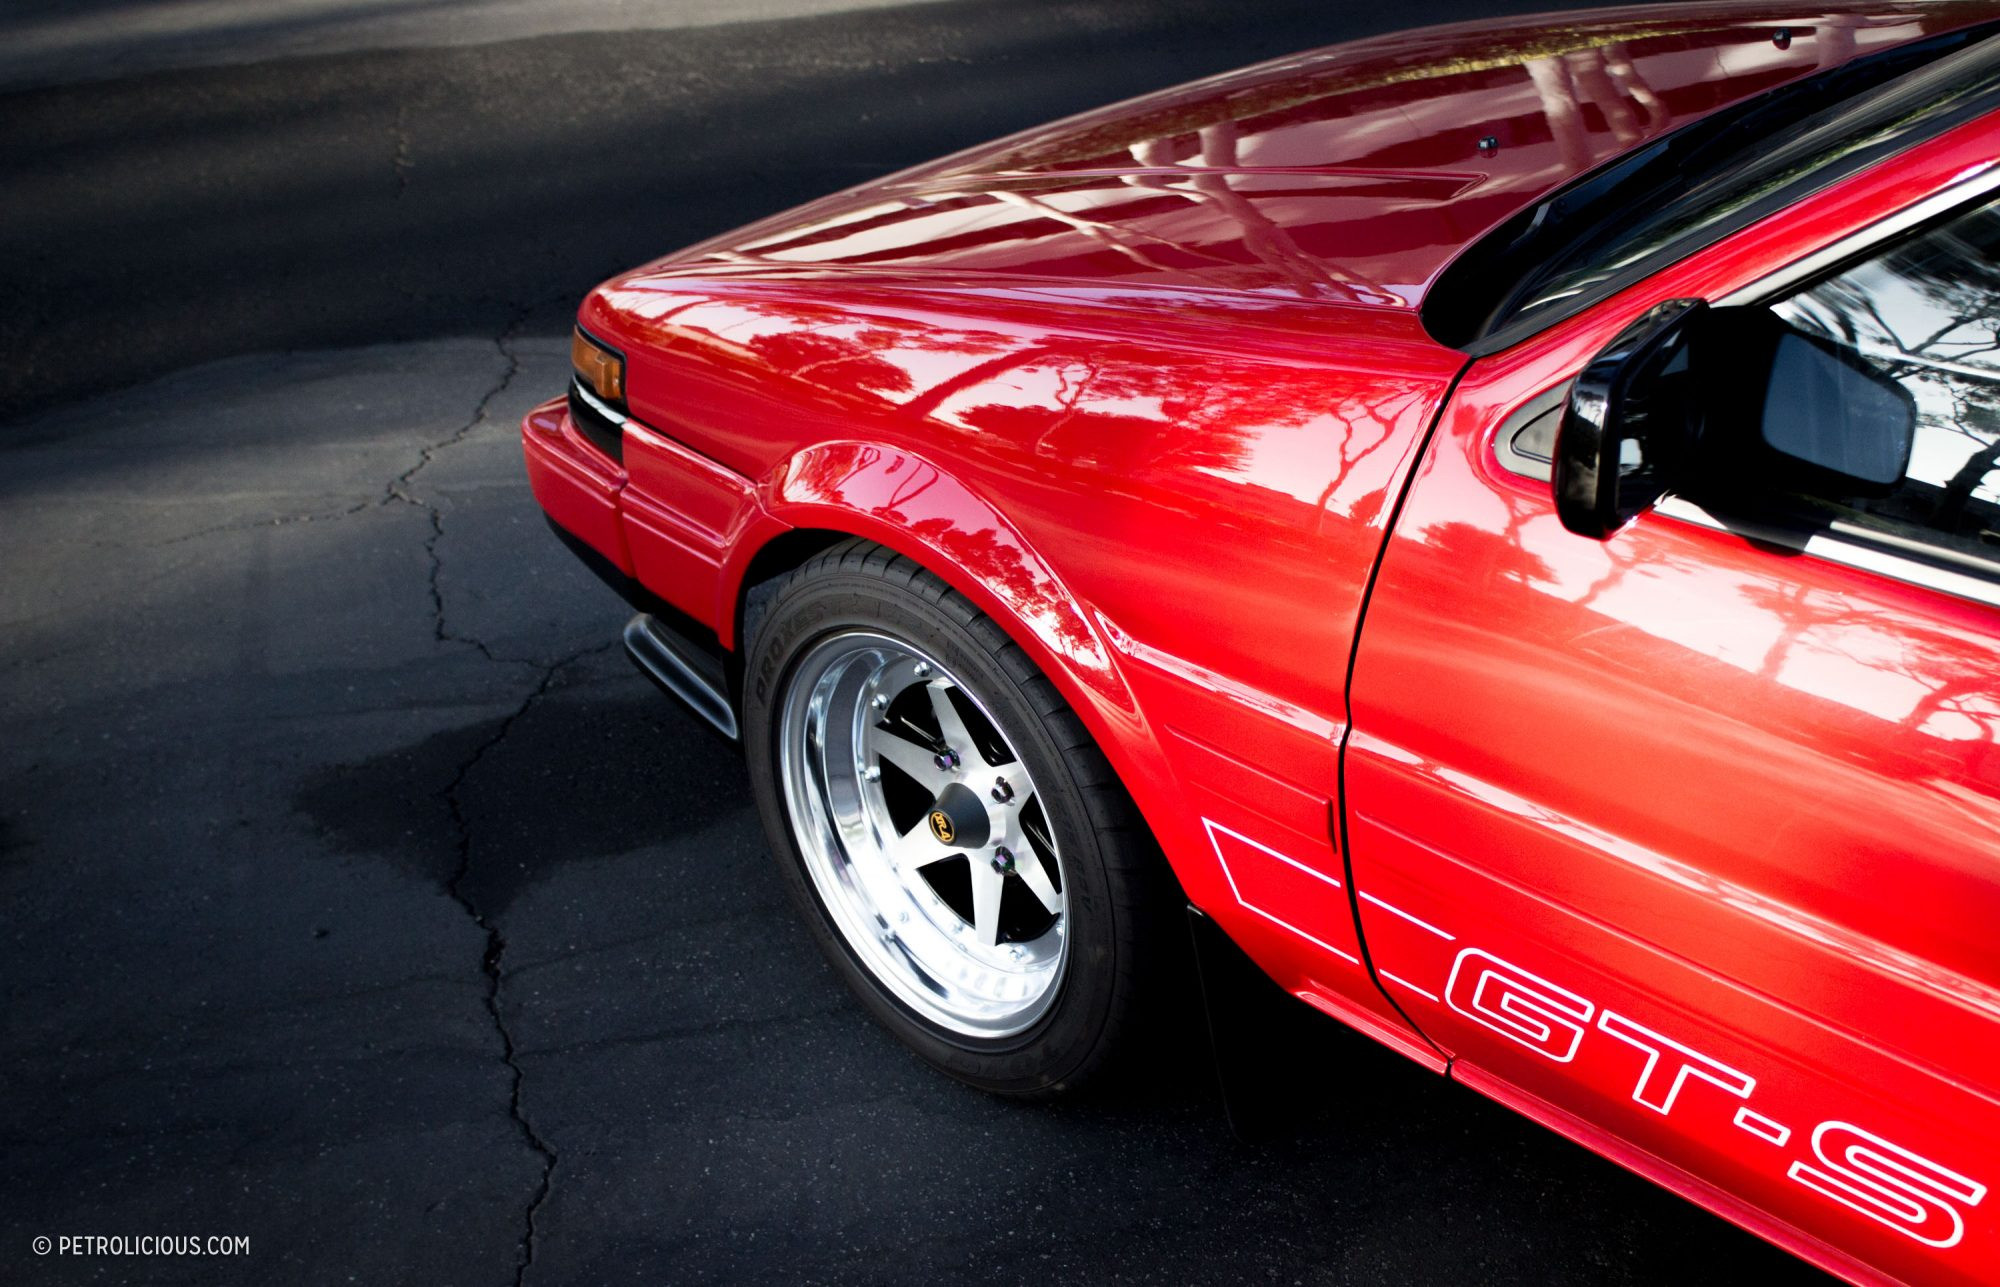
{"x":356,"y":895}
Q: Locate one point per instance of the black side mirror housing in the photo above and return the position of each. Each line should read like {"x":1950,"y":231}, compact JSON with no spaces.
{"x":1724,"y":401}
{"x":1623,"y":420}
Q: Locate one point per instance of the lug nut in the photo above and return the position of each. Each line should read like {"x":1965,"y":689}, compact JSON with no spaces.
{"x":881,"y":702}
{"x":923,"y":669}
{"x":1003,"y":860}
{"x":1003,"y":791}
{"x":946,"y":759}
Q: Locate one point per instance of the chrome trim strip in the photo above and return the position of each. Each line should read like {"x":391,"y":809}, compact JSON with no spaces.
{"x":1831,"y":549}
{"x":599,"y":405}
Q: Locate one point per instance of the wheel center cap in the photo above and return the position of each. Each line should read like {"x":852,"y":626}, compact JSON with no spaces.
{"x":958,"y":819}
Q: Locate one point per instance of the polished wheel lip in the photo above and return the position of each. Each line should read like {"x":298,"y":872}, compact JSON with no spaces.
{"x":962,"y":973}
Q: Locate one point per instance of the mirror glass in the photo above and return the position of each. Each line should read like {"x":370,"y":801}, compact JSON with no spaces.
{"x":1834,"y":411}
{"x":1926,"y":313}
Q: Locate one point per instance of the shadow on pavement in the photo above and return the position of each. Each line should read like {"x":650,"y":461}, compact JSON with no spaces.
{"x":579,"y":780}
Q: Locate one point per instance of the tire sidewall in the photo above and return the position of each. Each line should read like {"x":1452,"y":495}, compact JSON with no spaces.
{"x":808,"y":609}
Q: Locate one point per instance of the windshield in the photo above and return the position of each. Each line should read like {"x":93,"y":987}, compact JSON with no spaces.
{"x":1693,"y":186}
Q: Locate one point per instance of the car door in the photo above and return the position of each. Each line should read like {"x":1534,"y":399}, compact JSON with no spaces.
{"x":1687,"y":841}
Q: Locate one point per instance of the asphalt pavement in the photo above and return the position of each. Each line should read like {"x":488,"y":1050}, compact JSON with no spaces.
{"x":356,"y":896}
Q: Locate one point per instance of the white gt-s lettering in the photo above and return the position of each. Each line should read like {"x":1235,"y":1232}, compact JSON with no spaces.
{"x":1660,"y":1081}
{"x":1887,"y":1182}
{"x":1520,"y":1006}
{"x":1856,"y":1168}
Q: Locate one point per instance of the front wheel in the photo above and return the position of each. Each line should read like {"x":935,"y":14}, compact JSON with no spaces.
{"x":957,"y":842}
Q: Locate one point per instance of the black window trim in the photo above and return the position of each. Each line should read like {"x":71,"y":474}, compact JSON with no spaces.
{"x":1491,"y":339}
{"x":1843,"y":544}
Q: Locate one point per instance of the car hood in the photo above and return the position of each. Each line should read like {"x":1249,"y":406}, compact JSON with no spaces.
{"x":1350,"y":174}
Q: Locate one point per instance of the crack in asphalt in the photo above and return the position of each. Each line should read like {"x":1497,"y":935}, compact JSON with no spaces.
{"x":491,"y":962}
{"x":286,"y":520}
{"x":402,"y":489}
{"x":399,"y":488}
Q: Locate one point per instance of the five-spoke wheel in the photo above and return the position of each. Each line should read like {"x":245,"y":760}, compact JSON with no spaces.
{"x":960,"y":849}
{"x":923,"y":832}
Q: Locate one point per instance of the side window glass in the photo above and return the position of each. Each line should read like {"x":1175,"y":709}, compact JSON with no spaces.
{"x":1928,"y":313}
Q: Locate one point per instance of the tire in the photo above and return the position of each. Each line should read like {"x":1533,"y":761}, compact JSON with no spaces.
{"x":856,"y":661}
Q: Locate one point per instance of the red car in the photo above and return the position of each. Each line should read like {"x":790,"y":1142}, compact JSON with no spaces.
{"x":1503,"y":520}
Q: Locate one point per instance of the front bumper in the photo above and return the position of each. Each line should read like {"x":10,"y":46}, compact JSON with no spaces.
{"x":578,"y":487}
{"x":574,"y":482}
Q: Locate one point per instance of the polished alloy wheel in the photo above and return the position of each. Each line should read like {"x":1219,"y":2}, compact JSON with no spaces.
{"x":923,"y":834}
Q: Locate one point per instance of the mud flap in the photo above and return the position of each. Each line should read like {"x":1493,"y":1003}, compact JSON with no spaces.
{"x":1273,"y":1053}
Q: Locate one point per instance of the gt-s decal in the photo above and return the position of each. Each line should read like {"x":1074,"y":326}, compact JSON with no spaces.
{"x":1518,"y":1005}
{"x":1660,"y":1081}
{"x":1278,"y":887}
{"x":1764,"y":1128}
{"x":1856,"y":1168}
{"x":1887,"y":1182}
{"x":1419,"y":922}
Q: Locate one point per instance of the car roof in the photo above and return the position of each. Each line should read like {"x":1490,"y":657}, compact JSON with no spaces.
{"x":1351,"y":174}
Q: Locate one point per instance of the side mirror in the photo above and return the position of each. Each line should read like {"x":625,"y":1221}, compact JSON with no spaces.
{"x":1623,"y":421}
{"x":1724,"y":401}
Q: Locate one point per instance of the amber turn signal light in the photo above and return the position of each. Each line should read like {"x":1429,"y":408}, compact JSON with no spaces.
{"x":602,"y":370}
